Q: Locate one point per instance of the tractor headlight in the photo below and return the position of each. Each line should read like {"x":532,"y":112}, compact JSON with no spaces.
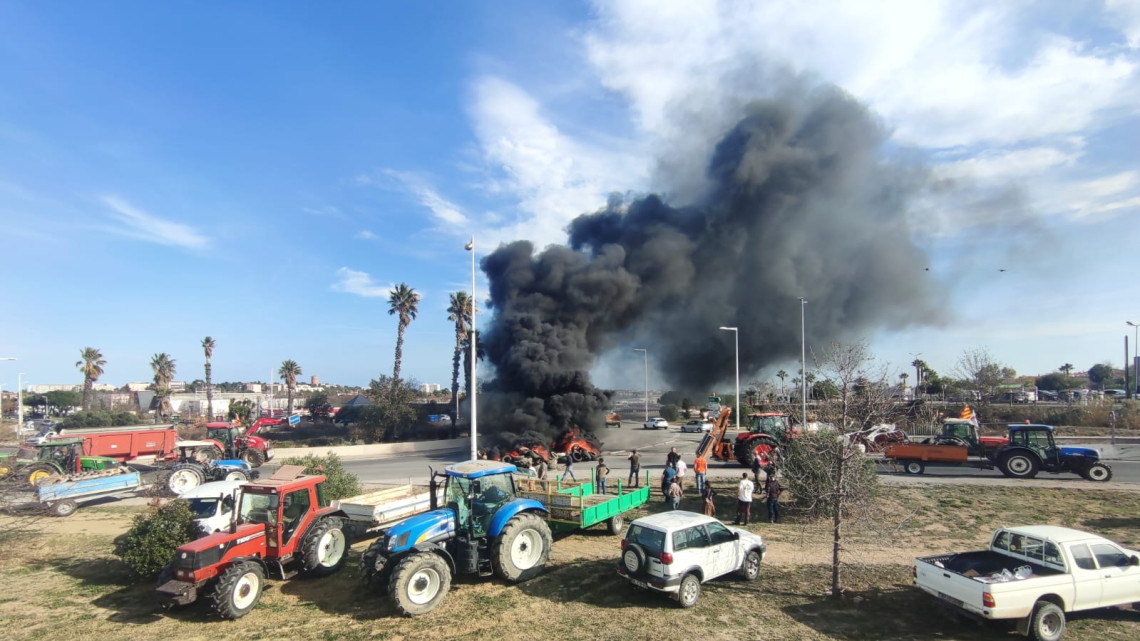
{"x":390,"y":543}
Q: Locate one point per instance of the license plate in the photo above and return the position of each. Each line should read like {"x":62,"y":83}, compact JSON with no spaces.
{"x":640,"y":584}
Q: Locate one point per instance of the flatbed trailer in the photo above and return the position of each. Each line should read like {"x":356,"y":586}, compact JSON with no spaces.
{"x":62,"y":498}
{"x":575,"y":506}
{"x":370,"y":513}
{"x":916,"y":457}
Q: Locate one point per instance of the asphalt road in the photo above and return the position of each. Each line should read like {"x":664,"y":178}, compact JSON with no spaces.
{"x":654,"y":445}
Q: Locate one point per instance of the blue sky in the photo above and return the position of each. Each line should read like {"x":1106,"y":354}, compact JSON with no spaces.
{"x":263,"y":172}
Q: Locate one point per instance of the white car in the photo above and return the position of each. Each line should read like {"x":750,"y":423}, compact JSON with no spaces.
{"x":213,"y":504}
{"x":675,"y":552}
{"x":697,"y":426}
{"x":656,"y":424}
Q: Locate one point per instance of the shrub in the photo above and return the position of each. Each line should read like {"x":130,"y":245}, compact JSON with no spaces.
{"x":339,"y":482}
{"x":150,"y":543}
{"x":670,"y":412}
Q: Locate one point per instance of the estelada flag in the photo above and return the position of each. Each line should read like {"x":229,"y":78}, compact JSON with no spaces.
{"x":969,"y":415}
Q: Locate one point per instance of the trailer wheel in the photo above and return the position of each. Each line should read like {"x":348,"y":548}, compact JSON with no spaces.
{"x":914,"y":467}
{"x":615,"y":523}
{"x":750,"y":569}
{"x":419,"y":583}
{"x":690,"y":591}
{"x":1019,"y":465}
{"x":254,"y":457}
{"x":324,"y":549}
{"x":521,"y":551}
{"x":1047,"y":622}
{"x":66,"y":507}
{"x":184,"y":478}
{"x":238,"y":590}
{"x":1098,"y":472}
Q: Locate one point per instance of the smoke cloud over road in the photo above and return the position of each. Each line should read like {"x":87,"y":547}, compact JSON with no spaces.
{"x":801,"y":203}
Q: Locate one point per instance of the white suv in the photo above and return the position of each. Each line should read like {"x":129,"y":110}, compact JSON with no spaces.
{"x":677,"y":551}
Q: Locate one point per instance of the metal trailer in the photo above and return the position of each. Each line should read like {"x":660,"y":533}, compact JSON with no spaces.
{"x":575,"y":506}
{"x":63,"y":498}
{"x":372,"y":512}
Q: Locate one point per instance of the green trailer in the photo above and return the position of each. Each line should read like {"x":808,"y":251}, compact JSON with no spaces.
{"x":574,"y":506}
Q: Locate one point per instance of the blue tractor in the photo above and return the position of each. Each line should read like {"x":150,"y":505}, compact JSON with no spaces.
{"x":484,"y":528}
{"x":1032,"y":449}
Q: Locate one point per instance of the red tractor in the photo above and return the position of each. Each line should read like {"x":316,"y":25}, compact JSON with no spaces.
{"x":231,"y":442}
{"x":767,"y":432}
{"x":284,"y":526}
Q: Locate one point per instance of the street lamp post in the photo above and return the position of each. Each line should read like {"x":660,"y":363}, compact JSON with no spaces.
{"x":646,"y":353}
{"x":1135,"y":368}
{"x":474,"y":383}
{"x":803,"y":362}
{"x":19,"y":402}
{"x":736,"y":333}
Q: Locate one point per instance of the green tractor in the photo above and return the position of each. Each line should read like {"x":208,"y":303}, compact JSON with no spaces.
{"x":58,"y":458}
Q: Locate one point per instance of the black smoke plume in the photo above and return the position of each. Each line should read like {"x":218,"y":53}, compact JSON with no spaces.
{"x":801,"y":203}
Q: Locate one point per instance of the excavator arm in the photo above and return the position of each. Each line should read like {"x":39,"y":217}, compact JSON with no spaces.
{"x":716,"y":435}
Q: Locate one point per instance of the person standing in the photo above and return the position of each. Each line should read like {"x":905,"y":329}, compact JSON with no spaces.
{"x":744,"y":501}
{"x":773,"y":490}
{"x":671,"y":457}
{"x":700,"y":469}
{"x":634,"y":469}
{"x":682,"y":469}
{"x":709,"y":504}
{"x":756,"y":469}
{"x":569,"y":469}
{"x":540,"y":471}
{"x":674,"y":494}
{"x":600,"y":473}
{"x":667,"y":477}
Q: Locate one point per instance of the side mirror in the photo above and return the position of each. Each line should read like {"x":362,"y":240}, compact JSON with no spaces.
{"x":1134,"y":560}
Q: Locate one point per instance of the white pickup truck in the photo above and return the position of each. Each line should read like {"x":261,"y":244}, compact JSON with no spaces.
{"x":1034,"y":574}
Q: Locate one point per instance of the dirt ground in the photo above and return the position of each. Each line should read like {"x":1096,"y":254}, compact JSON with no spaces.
{"x":61,"y":581}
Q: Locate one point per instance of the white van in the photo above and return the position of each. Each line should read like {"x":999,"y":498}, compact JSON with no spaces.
{"x":213,"y":504}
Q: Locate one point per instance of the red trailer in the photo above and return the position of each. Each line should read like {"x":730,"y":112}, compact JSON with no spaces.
{"x":127,"y":444}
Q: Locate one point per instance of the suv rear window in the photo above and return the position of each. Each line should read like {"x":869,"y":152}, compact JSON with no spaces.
{"x":652,"y":541}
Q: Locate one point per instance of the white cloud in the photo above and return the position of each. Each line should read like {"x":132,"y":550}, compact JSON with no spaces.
{"x":1102,"y":198}
{"x":1128,"y":14}
{"x":326,"y":210}
{"x":1001,"y":165}
{"x":351,"y":281}
{"x":140,"y":225}
{"x":365,"y":235}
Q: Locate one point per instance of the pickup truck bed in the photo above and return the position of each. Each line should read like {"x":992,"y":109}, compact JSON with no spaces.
{"x":983,"y":563}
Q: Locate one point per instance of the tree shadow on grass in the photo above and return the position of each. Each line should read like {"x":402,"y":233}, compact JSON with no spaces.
{"x":130,"y":599}
{"x":1113,"y":523}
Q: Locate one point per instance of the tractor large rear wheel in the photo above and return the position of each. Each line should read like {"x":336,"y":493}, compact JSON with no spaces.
{"x":208,"y":454}
{"x":325,"y":547}
{"x":763,"y":447}
{"x":1019,"y":465}
{"x":521,"y":551}
{"x":39,"y":473}
{"x":419,"y":583}
{"x":184,"y":478}
{"x":238,"y":590}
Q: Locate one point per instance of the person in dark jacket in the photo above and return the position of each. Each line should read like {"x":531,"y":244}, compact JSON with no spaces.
{"x":773,"y":490}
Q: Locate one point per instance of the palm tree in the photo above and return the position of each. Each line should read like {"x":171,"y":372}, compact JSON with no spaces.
{"x":458,"y":312}
{"x":781,"y":375}
{"x":289,"y":372}
{"x":92,"y":367}
{"x":208,"y":348}
{"x":1067,"y":368}
{"x":403,"y":301}
{"x":163,"y":367}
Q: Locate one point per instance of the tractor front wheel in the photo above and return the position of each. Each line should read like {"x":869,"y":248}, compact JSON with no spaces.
{"x":323,"y":550}
{"x":236,"y":475}
{"x":419,"y":583}
{"x":374,"y":568}
{"x":238,"y":590}
{"x":1098,"y":472}
{"x":521,"y":551}
{"x":254,"y":457}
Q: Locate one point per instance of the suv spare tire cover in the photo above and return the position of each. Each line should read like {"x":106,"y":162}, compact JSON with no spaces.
{"x":633,"y":558}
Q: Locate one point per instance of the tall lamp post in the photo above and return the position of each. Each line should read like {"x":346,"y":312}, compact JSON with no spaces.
{"x":19,"y":402}
{"x":474,"y":383}
{"x":736,"y":333}
{"x":646,"y":353}
{"x":1135,"y":368}
{"x":803,"y":362}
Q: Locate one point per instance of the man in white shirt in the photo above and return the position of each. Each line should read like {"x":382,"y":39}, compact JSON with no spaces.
{"x":744,"y":501}
{"x":681,"y":468}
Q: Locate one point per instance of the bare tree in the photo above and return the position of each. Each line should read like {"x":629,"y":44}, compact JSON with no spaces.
{"x":978,"y":370}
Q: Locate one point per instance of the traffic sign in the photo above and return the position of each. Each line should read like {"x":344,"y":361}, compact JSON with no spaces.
{"x":294,"y":419}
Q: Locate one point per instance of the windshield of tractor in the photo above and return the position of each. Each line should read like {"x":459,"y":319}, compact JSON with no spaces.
{"x":259,"y":508}
{"x":774,"y":425}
